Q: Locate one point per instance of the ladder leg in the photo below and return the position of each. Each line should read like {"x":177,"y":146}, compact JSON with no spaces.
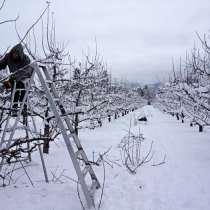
{"x":20,"y":111}
{"x":71,"y":129}
{"x":41,"y":154}
{"x":6,"y":125}
{"x":89,"y":198}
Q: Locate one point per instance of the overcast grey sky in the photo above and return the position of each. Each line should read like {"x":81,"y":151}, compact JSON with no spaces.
{"x":137,"y":38}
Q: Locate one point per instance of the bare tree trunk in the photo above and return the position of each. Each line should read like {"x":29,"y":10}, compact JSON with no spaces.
{"x":25,"y":122}
{"x":46,"y":145}
{"x":76,"y":119}
{"x":46,"y":132}
{"x":177,"y":116}
{"x":200,"y":128}
{"x":76,"y":123}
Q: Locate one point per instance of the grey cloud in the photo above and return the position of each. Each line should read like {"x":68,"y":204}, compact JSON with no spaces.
{"x":136,"y":37}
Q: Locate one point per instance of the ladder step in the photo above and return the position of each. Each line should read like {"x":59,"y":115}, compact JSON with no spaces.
{"x":86,"y":170}
{"x":71,"y":134}
{"x":80,"y":151}
{"x":56,"y":99}
{"x":77,"y":153}
{"x":19,"y":89}
{"x":49,"y":81}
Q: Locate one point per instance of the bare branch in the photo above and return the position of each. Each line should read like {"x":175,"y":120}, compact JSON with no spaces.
{"x":2,"y":4}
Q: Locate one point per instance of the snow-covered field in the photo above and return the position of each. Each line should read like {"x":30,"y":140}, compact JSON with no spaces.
{"x":182,"y":183}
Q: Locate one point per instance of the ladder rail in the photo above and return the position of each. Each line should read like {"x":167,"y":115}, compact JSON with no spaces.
{"x":69,"y":126}
{"x":20,"y":111}
{"x":70,"y":149}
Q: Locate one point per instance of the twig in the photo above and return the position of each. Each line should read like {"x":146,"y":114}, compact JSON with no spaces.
{"x":27,"y":173}
{"x":2,"y":4}
{"x":32,"y":26}
{"x":160,"y":163}
{"x":10,"y":20}
{"x":73,"y":180}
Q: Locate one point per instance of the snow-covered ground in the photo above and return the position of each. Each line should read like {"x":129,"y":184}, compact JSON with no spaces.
{"x":182,"y":183}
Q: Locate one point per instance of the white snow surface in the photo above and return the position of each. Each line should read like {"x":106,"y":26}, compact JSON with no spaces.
{"x":182,"y":183}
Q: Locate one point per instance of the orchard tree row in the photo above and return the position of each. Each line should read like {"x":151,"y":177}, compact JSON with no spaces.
{"x":85,"y":87}
{"x":187,"y":93}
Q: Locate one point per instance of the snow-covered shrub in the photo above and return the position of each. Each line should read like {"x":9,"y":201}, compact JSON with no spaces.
{"x":134,"y":151}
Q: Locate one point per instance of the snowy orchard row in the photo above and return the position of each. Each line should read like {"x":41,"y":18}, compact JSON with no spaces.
{"x":187,"y":94}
